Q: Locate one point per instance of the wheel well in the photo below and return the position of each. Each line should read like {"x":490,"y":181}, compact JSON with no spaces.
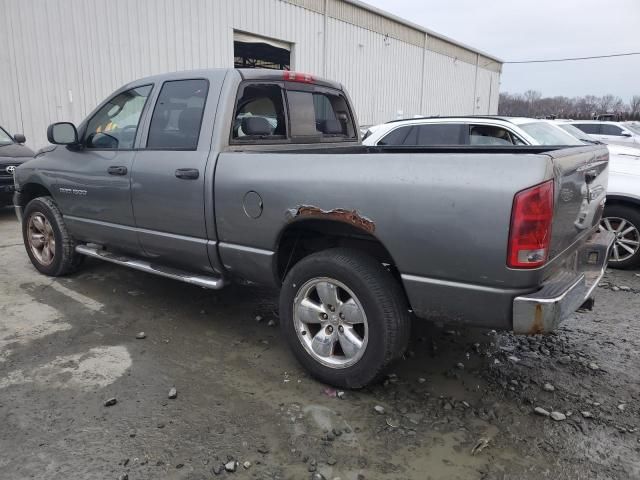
{"x":30,"y":191}
{"x":305,"y":237}
{"x":623,"y":201}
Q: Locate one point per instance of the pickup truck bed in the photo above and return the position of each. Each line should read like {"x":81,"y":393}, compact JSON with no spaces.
{"x":276,"y":189}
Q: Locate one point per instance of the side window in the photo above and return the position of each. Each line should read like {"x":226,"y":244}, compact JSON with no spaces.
{"x":397,"y":136}
{"x":489,"y":135}
{"x":114,"y":126}
{"x":322,"y":114}
{"x":260,"y":114}
{"x":607,"y":129}
{"x":332,"y":116}
{"x":440,"y":134}
{"x":177,"y":116}
{"x":590,"y":128}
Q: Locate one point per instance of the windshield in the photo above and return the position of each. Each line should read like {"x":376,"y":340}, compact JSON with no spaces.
{"x":546,"y":134}
{"x":5,"y":138}
{"x":576,"y":132}
{"x":634,"y":127}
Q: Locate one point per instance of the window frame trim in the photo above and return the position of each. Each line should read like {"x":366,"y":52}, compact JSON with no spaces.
{"x":148,"y":127}
{"x":285,"y":107}
{"x":101,"y":106}
{"x":289,"y":139}
{"x":621,"y":134}
{"x":509,"y":130}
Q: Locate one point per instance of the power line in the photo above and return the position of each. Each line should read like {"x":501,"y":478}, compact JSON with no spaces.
{"x":573,"y":59}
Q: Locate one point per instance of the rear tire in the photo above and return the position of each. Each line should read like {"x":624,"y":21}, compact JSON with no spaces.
{"x":370,"y":307}
{"x":612,"y":218}
{"x":49,"y":245}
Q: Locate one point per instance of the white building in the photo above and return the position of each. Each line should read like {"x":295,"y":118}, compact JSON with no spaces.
{"x":60,"y":58}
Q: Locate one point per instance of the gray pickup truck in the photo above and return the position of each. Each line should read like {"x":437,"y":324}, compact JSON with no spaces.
{"x":259,"y":176}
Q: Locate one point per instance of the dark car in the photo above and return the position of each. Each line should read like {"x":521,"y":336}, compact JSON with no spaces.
{"x":12,"y":154}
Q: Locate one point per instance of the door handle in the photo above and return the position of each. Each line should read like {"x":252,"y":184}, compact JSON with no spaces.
{"x":590,"y":175}
{"x":187,"y":173}
{"x":117,"y":170}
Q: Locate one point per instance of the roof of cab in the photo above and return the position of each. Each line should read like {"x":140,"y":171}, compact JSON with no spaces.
{"x":280,"y":75}
{"x":245,"y":73}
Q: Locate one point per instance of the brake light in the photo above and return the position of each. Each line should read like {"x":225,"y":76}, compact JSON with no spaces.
{"x":297,"y":77}
{"x":530,"y":232}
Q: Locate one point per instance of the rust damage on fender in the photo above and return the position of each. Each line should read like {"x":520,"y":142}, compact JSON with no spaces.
{"x":352,"y":217}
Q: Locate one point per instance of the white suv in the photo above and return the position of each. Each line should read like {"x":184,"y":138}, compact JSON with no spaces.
{"x":610,"y":132}
{"x":492,"y":131}
{"x":622,"y":212}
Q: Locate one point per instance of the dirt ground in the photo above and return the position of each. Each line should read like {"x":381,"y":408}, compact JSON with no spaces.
{"x":460,"y":406}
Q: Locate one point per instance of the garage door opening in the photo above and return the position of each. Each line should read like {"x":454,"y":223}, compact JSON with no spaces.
{"x":250,"y":51}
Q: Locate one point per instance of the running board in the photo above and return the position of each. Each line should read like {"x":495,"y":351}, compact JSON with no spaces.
{"x":214,"y":283}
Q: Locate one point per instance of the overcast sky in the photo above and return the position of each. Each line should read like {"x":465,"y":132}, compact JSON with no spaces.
{"x":540,"y":29}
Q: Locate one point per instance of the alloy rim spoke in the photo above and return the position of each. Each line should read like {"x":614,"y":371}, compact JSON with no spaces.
{"x":351,"y":312}
{"x":328,"y":294}
{"x":628,"y":231}
{"x":627,"y":248}
{"x":37,"y":240}
{"x":310,"y":312}
{"x":629,"y":242}
{"x":46,"y":255}
{"x":38,"y":223}
{"x":322,"y":344}
{"x":622,"y":224}
{"x":350,"y":342}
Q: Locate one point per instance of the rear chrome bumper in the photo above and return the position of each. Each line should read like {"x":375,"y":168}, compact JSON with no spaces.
{"x":560,"y":296}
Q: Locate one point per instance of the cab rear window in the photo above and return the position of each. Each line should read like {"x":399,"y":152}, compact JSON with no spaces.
{"x":271,"y":113}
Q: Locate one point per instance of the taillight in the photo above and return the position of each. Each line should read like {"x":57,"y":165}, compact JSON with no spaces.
{"x":530,"y":232}
{"x":297,"y":77}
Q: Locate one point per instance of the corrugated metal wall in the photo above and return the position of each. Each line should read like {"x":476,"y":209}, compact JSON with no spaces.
{"x":60,"y":58}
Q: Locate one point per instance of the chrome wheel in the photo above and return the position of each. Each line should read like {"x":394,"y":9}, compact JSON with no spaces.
{"x":330,"y":322}
{"x":41,"y":239}
{"x":627,"y":240}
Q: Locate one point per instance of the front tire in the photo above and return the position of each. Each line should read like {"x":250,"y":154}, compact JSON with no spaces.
{"x":344,"y":316}
{"x":49,"y":245}
{"x":624,"y":222}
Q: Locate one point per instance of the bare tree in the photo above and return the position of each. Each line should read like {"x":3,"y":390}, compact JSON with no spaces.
{"x":533,"y":104}
{"x":607,"y":102}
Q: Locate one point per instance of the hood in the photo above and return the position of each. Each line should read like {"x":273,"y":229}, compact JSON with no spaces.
{"x":15,"y":151}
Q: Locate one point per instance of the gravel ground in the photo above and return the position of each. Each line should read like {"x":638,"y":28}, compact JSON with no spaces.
{"x":460,"y":406}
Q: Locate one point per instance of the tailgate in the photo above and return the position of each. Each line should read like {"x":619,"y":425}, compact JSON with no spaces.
{"x":581,"y":176}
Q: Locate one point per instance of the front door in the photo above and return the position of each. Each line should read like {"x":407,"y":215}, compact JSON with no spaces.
{"x":168,"y":182}
{"x":94,"y":191}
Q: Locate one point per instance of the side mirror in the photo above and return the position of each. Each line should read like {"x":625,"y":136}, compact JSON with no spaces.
{"x":626,"y":134}
{"x":19,"y":138}
{"x":62,"y":133}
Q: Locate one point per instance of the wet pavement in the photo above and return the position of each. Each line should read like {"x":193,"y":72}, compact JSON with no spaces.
{"x":459,"y":406}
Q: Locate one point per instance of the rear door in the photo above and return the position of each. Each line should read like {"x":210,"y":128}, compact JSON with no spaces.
{"x":492,"y":135}
{"x":168,"y":180}
{"x":593,"y":129}
{"x":427,"y":134}
{"x":615,"y":134}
